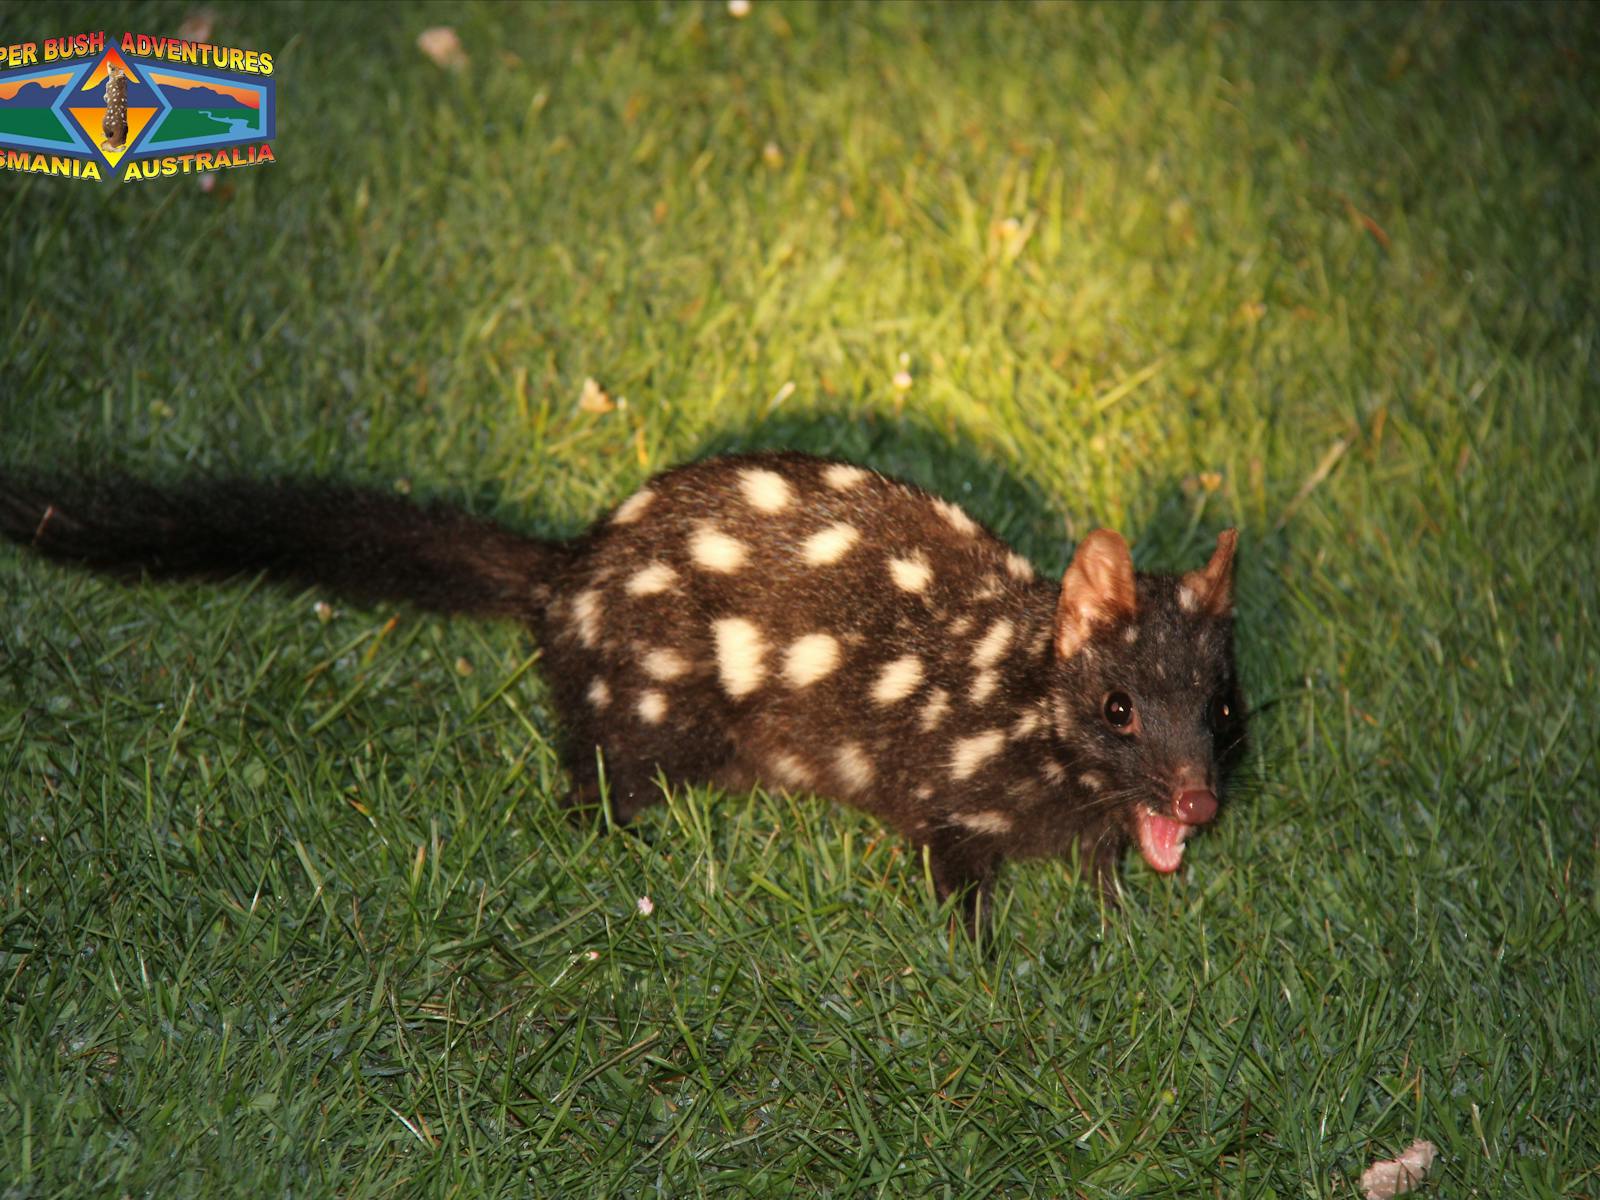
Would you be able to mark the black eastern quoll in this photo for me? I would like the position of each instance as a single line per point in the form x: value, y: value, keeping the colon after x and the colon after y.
x: 781, y: 620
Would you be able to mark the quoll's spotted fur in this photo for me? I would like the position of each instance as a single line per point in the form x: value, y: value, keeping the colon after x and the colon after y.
x: 778, y: 620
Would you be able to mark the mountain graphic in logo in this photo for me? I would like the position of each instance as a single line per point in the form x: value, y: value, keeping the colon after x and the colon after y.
x: 29, y: 113
x: 203, y: 112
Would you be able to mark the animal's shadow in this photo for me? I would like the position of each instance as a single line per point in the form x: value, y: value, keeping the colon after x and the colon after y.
x: 1176, y: 533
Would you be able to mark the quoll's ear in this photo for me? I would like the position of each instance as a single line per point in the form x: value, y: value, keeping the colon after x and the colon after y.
x: 1210, y: 589
x: 1097, y: 588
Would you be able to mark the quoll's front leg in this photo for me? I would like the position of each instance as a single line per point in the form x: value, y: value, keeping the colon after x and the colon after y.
x: 1099, y: 856
x: 1105, y: 866
x: 963, y: 864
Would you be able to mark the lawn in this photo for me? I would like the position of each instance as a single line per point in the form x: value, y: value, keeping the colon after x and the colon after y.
x: 287, y: 902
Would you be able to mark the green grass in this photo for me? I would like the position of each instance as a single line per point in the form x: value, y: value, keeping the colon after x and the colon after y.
x: 288, y: 906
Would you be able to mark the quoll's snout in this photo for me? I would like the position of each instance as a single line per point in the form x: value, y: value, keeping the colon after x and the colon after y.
x: 1161, y: 836
x: 1195, y: 806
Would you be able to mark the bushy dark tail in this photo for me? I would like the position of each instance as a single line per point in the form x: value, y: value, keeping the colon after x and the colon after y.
x: 360, y: 544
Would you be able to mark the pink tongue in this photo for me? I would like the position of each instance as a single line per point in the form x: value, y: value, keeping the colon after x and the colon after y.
x: 1161, y: 840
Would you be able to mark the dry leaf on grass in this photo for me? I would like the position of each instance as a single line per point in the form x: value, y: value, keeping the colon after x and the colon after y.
x: 441, y: 44
x: 1389, y: 1177
x: 593, y: 398
x: 1362, y: 219
x: 197, y: 26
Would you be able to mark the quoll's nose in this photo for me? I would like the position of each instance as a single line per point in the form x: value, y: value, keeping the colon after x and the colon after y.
x: 1195, y: 806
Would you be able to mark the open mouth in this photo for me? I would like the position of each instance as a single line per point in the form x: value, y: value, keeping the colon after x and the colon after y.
x: 1161, y: 839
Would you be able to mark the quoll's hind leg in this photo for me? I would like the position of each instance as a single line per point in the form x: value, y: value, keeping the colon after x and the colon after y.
x: 630, y: 786
x: 633, y: 764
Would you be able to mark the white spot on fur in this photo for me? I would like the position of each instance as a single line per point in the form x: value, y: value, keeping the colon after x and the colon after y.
x: 766, y: 490
x: 1019, y: 566
x: 925, y: 792
x: 790, y: 771
x: 586, y: 613
x: 854, y: 767
x: 1187, y: 599
x: 988, y: 821
x: 657, y: 577
x: 1091, y: 781
x: 716, y: 551
x: 739, y: 655
x: 934, y: 710
x: 983, y: 685
x: 631, y: 509
x: 990, y: 588
x: 810, y: 658
x: 829, y: 545
x: 911, y: 574
x: 652, y: 707
x: 1026, y: 726
x: 970, y: 753
x: 1052, y: 771
x: 599, y: 693
x: 1063, y: 718
x: 898, y: 679
x: 959, y: 521
x: 1130, y: 635
x: 993, y: 644
x: 664, y: 664
x: 960, y: 627
x: 842, y: 477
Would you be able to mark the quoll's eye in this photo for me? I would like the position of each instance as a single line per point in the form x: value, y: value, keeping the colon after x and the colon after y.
x: 1118, y: 710
x: 1221, y: 712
